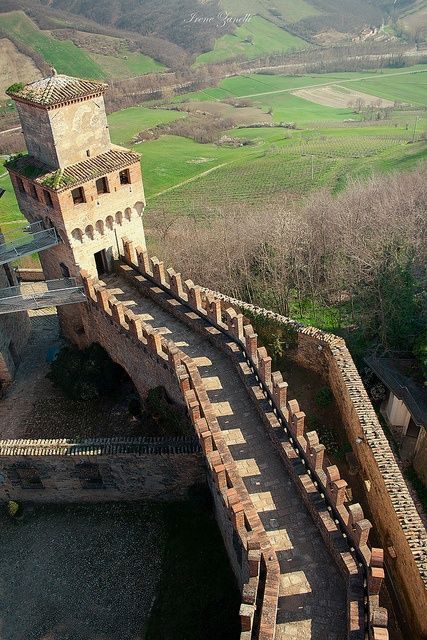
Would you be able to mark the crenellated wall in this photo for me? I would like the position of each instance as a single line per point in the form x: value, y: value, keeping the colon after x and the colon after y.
x: 397, y: 521
x: 319, y: 482
x: 100, y: 469
x: 144, y: 353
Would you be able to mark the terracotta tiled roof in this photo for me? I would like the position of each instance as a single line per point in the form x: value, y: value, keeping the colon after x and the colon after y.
x: 55, y: 90
x: 75, y: 174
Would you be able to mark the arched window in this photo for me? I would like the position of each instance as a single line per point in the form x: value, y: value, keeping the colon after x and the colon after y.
x: 89, y: 231
x: 139, y: 206
x: 119, y: 217
x: 109, y: 222
x: 100, y: 227
x: 77, y: 234
x: 128, y: 213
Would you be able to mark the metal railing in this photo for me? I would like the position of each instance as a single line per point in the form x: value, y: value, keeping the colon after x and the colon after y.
x: 41, y: 295
x: 35, y: 239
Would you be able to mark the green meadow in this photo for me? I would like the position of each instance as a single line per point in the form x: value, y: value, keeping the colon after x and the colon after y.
x: 125, y: 124
x: 67, y: 58
x: 254, y: 39
x: 127, y: 64
x: 181, y: 175
x: 64, y: 55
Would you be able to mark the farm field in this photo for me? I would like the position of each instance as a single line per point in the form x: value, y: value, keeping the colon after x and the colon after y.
x: 303, y: 162
x: 182, y: 176
x: 277, y: 93
x: 254, y: 39
x: 339, y: 96
x: 125, y: 124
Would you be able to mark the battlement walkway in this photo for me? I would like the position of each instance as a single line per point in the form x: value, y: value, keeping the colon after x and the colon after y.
x: 312, y: 602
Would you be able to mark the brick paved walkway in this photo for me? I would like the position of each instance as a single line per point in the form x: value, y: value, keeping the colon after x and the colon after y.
x: 312, y: 603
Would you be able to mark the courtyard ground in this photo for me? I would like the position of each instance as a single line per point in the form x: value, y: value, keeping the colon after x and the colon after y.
x: 140, y: 571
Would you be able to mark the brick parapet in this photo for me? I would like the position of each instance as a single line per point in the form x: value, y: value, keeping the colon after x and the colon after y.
x: 229, y: 487
x: 100, y: 470
x: 304, y: 451
x: 365, y: 427
x: 99, y: 446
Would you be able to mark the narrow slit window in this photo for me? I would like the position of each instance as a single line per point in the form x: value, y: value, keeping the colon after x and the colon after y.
x: 48, y: 199
x: 20, y: 185
x: 33, y: 192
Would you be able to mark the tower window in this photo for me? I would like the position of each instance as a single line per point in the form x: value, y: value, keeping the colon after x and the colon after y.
x: 88, y: 153
x: 48, y: 198
x: 78, y: 195
x: 102, y: 185
x: 33, y: 192
x: 124, y: 176
x: 20, y: 185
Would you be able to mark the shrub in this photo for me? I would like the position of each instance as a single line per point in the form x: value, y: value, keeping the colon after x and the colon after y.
x: 167, y: 417
x: 85, y: 375
x: 324, y: 397
x: 420, y: 352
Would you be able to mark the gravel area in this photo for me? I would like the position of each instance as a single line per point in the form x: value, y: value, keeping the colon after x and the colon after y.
x: 79, y: 572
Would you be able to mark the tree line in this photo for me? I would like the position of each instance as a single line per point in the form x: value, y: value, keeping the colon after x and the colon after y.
x: 362, y: 253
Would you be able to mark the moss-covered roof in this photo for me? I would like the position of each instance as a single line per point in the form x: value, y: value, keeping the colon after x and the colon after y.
x: 55, y: 90
x: 75, y: 174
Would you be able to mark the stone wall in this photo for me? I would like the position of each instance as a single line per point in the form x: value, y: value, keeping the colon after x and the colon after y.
x: 142, y: 351
x: 321, y: 487
x: 100, y: 470
x: 398, y: 523
x: 14, y: 331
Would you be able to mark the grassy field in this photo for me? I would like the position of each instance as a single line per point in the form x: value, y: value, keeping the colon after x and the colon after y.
x: 275, y: 92
x: 11, y: 218
x: 72, y: 60
x: 290, y: 10
x: 181, y: 175
x: 294, y: 164
x: 172, y: 160
x: 62, y: 54
x: 126, y: 64
x: 125, y: 124
x: 256, y: 38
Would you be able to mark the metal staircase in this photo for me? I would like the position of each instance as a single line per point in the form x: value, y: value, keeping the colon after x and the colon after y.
x: 41, y: 295
x: 34, y: 239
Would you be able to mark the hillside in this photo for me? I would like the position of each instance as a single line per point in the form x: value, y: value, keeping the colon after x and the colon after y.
x: 172, y: 20
x: 128, y: 38
x: 93, y: 56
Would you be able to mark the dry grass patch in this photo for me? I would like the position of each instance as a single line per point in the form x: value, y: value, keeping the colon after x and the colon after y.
x: 340, y: 97
x: 239, y: 115
x: 12, y: 60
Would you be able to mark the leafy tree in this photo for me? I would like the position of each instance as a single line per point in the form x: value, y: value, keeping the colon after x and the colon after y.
x: 387, y: 297
x: 85, y: 375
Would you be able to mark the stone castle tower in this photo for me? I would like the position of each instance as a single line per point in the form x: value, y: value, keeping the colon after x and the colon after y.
x: 74, y: 178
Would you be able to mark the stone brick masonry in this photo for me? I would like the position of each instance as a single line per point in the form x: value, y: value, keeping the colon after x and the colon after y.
x: 322, y: 489
x: 101, y: 469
